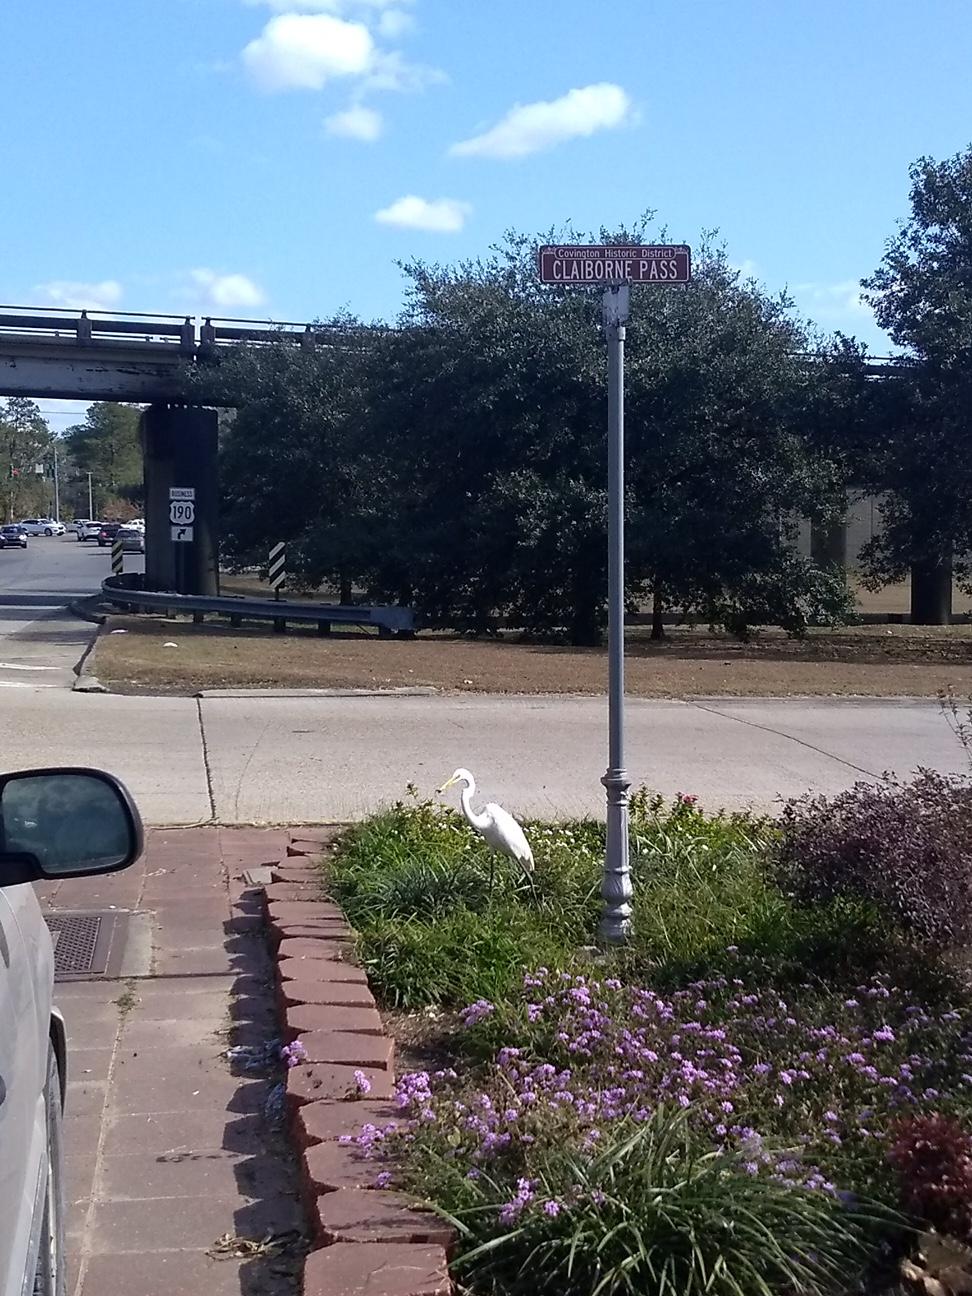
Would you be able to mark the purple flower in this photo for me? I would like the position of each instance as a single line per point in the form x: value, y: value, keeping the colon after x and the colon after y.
x: 362, y: 1083
x: 552, y: 1208
x: 293, y: 1054
x: 477, y: 1012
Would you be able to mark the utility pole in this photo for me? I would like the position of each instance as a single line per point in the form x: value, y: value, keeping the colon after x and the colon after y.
x: 91, y: 516
x: 57, y: 489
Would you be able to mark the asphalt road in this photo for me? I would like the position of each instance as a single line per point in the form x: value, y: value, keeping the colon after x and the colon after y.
x: 327, y: 759
x: 40, y: 642
x: 313, y: 760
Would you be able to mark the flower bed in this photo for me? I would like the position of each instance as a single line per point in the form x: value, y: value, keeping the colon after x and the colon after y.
x: 758, y: 1095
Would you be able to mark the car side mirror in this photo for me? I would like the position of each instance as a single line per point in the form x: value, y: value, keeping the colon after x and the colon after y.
x: 57, y: 823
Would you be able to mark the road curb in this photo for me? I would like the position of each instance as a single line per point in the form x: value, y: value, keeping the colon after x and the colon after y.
x: 83, y: 609
x: 363, y: 1239
x: 88, y: 684
x: 85, y: 681
x: 410, y: 691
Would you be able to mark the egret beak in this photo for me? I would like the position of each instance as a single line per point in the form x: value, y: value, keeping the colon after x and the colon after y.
x: 447, y: 784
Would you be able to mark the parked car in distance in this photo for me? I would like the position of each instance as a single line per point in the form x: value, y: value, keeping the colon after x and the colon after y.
x: 12, y: 536
x: 54, y: 824
x: 108, y: 532
x: 74, y: 527
x: 132, y: 539
x: 88, y: 530
x: 42, y: 526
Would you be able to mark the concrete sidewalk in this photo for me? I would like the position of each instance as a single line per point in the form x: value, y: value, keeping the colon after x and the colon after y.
x: 170, y: 1155
x: 333, y: 759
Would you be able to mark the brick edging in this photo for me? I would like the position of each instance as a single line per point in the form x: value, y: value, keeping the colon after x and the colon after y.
x: 367, y: 1242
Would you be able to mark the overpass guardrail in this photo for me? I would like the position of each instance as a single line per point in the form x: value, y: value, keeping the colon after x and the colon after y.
x: 125, y: 592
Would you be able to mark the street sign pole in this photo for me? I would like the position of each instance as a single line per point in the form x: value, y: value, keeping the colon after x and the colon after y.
x: 616, y: 882
x: 613, y: 267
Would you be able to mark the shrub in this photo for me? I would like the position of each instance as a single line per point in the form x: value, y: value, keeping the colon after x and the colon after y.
x: 933, y: 1158
x: 906, y: 848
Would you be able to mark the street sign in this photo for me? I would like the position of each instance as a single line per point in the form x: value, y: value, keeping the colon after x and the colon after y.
x: 182, y: 492
x: 182, y: 512
x: 277, y: 570
x: 602, y: 265
x: 182, y: 534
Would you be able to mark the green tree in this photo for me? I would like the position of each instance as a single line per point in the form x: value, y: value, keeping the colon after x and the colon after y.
x: 458, y: 462
x: 922, y: 294
x: 107, y: 445
x: 25, y: 440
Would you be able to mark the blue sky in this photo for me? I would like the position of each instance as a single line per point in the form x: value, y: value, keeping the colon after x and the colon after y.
x: 275, y: 158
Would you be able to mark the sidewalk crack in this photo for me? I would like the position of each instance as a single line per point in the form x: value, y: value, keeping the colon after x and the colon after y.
x: 779, y: 733
x: 206, y: 764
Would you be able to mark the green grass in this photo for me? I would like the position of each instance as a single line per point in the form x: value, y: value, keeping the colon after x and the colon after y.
x: 443, y: 920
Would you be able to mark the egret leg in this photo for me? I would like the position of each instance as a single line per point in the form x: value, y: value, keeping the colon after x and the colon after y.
x: 531, y: 878
x: 492, y: 874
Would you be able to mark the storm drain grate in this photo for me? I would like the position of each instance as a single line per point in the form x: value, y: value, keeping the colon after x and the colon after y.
x: 85, y: 942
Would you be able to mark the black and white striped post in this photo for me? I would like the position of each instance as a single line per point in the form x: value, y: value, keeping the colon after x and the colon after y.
x: 117, y: 558
x: 278, y: 567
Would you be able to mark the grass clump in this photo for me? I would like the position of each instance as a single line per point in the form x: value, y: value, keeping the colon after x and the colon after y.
x: 654, y: 1209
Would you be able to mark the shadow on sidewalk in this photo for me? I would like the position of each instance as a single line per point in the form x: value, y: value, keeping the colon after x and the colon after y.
x: 271, y: 1227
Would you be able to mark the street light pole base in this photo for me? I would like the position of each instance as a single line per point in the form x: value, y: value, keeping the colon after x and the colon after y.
x: 616, y: 892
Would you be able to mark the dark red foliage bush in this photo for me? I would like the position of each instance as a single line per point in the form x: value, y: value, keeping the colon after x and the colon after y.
x: 904, y: 847
x: 933, y: 1158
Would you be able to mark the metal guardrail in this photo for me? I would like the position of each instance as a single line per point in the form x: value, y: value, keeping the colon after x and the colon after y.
x: 185, y: 333
x: 125, y: 592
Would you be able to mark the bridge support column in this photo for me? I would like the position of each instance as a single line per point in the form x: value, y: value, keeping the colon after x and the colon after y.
x: 180, y: 449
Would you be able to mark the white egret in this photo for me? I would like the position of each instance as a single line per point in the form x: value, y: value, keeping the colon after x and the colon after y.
x: 495, y: 824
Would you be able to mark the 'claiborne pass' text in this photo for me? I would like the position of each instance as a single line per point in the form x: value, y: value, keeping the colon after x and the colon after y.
x: 615, y: 264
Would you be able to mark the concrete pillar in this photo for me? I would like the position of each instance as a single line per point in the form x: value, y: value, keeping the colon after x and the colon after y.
x: 828, y: 544
x: 931, y: 592
x: 180, y: 448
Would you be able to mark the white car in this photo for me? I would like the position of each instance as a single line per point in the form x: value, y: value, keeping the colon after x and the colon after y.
x: 88, y: 530
x: 53, y: 824
x: 42, y: 526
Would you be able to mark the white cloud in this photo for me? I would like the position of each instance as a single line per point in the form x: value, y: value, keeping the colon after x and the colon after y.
x: 531, y: 128
x: 439, y: 215
x: 225, y: 290
x: 390, y: 71
x: 746, y: 269
x: 394, y: 23
x: 331, y: 6
x: 304, y: 51
x: 356, y: 122
x: 832, y: 301
x: 73, y: 295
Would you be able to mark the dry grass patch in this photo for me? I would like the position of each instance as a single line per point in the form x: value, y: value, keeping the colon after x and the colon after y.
x: 876, y: 661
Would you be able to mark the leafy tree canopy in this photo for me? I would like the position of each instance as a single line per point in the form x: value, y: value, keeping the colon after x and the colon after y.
x: 459, y: 461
